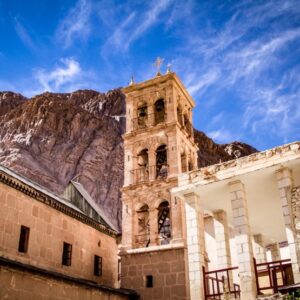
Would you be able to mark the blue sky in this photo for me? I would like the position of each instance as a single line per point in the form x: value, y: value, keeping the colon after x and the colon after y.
x: 240, y: 60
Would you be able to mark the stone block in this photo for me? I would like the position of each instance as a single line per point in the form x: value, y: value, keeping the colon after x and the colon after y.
x: 158, y: 293
x: 180, y: 278
x: 164, y: 267
x: 171, y: 279
x: 178, y: 291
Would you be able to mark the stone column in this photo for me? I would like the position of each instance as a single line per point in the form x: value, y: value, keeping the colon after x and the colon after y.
x: 153, y: 219
x: 150, y: 115
x: 243, y: 240
x: 195, y: 244
x: 176, y: 219
x: 222, y: 239
x: 259, y: 249
x: 127, y: 233
x: 152, y: 164
x: 284, y: 183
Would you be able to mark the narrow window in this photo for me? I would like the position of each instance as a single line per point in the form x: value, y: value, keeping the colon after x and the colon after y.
x: 149, y: 281
x: 97, y: 265
x: 24, y: 238
x: 67, y: 254
x: 119, y: 269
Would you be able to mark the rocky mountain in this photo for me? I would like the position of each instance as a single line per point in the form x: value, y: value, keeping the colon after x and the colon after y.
x: 53, y: 138
x: 10, y: 100
x: 212, y: 153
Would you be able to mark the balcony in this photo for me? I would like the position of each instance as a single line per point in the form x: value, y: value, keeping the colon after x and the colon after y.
x: 150, y: 120
x: 157, y: 172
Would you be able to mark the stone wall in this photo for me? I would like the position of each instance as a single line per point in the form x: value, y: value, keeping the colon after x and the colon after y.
x: 49, y: 229
x: 167, y: 267
x: 16, y: 284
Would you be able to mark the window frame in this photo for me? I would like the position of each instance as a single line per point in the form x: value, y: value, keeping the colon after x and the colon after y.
x: 98, y: 263
x: 24, y: 239
x: 149, y: 282
x: 67, y: 254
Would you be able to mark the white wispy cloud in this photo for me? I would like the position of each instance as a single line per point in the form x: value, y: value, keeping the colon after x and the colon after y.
x: 135, y: 25
x: 67, y: 72
x: 222, y: 135
x: 76, y: 24
x: 23, y: 34
x: 199, y: 85
x: 244, y: 58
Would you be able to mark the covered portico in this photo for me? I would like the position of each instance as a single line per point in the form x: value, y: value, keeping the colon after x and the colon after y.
x: 241, y: 224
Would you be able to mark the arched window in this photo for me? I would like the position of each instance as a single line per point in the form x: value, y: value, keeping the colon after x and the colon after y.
x: 164, y: 226
x: 190, y: 165
x: 161, y: 162
x: 187, y: 124
x: 142, y: 116
x: 179, y: 115
x: 183, y: 162
x: 142, y: 172
x: 159, y: 111
x: 142, y: 238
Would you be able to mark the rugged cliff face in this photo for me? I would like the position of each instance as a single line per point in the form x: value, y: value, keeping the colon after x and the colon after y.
x: 9, y: 101
x: 53, y: 138
x: 212, y: 153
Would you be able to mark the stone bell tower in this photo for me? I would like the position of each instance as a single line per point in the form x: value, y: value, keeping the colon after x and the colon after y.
x: 159, y: 145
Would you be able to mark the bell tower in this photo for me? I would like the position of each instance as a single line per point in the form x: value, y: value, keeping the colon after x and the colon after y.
x: 158, y: 146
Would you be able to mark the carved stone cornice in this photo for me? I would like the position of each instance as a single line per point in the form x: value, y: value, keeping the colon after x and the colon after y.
x: 52, y: 202
x: 211, y: 172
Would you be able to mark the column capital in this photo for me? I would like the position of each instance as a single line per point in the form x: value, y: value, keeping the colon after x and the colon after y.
x: 235, y: 185
x: 283, y: 172
x: 284, y: 177
x: 192, y: 198
x: 190, y: 195
x: 219, y: 213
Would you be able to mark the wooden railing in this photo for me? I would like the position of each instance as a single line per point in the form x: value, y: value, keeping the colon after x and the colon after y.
x: 218, y: 282
x: 148, y: 121
x: 150, y: 173
x: 276, y: 274
x: 140, y: 175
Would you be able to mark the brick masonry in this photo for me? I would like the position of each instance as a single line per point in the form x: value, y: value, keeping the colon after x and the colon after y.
x: 49, y: 228
x: 167, y: 267
x: 15, y: 284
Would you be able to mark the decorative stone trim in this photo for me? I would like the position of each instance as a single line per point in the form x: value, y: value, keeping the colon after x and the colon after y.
x: 209, y: 173
x: 42, y: 197
x: 152, y: 249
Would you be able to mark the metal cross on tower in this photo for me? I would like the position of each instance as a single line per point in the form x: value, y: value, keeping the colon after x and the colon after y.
x: 158, y: 62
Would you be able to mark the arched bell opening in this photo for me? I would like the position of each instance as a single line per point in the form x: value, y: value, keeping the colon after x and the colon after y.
x: 190, y: 165
x: 163, y: 222
x: 183, y: 162
x: 142, y: 172
x: 179, y: 115
x: 159, y: 111
x: 142, y: 115
x: 187, y: 124
x: 142, y: 238
x: 161, y: 162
